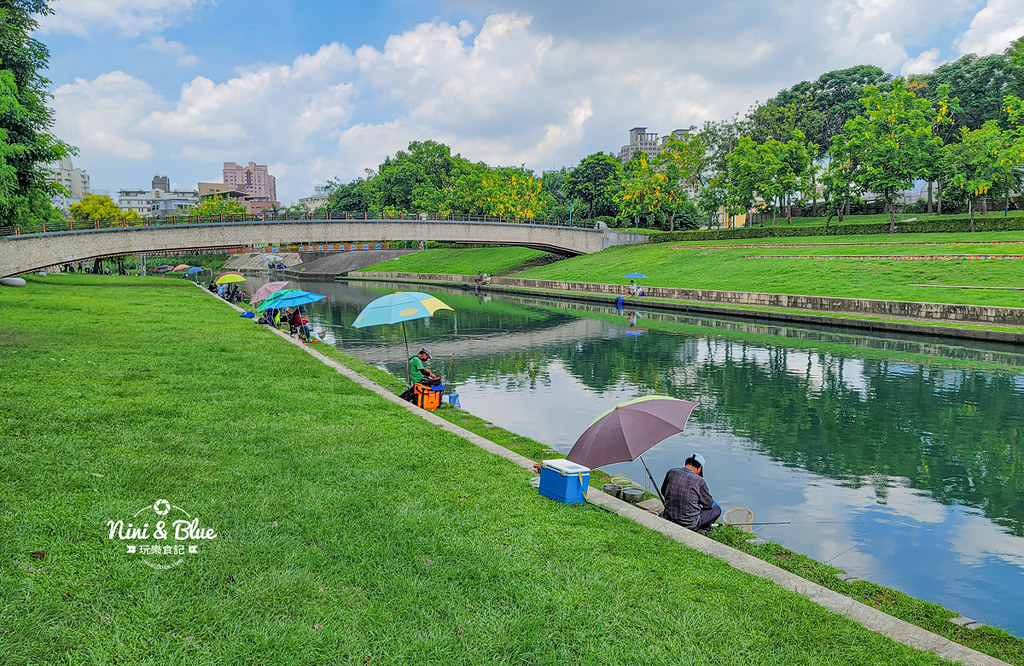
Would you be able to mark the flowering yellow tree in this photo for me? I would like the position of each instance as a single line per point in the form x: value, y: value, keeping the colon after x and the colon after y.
x: 643, y: 190
x: 511, y: 194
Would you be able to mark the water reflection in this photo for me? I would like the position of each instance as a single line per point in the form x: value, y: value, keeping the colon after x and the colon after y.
x: 898, y: 459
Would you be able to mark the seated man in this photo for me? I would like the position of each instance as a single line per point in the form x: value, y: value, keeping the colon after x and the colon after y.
x: 687, y: 499
x: 419, y: 373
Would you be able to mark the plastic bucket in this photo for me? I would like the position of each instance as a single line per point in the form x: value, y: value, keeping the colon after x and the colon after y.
x: 632, y: 495
x: 612, y: 489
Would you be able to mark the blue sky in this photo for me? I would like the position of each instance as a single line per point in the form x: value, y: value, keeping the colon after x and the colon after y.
x: 321, y: 90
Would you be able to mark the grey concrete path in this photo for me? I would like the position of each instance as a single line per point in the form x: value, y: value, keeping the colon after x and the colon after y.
x: 872, y: 618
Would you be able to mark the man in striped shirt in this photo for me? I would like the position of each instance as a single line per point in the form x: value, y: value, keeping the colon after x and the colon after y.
x: 688, y: 501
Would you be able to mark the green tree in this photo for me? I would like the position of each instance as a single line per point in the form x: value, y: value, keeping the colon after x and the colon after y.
x: 794, y: 173
x: 100, y: 207
x: 595, y: 180
x: 216, y: 205
x: 412, y: 179
x: 818, y: 108
x: 352, y: 197
x: 747, y: 178
x: 981, y: 159
x: 979, y: 83
x: 26, y: 144
x: 892, y: 143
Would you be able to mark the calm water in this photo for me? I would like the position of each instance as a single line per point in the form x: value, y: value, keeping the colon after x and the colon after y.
x: 899, y: 460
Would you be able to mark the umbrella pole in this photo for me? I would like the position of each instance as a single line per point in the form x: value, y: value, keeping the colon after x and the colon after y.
x: 652, y: 480
x: 408, y: 371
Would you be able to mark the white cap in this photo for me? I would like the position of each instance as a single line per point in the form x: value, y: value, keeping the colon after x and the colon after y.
x: 699, y: 458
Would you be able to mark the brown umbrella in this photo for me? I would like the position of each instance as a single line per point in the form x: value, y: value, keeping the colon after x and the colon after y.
x: 626, y: 431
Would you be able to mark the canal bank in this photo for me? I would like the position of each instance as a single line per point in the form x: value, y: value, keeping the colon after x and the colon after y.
x: 889, y: 451
x: 425, y: 549
x: 736, y: 557
x: 469, y: 331
x: 967, y: 322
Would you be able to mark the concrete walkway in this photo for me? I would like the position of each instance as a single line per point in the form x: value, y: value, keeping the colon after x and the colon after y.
x: 871, y: 618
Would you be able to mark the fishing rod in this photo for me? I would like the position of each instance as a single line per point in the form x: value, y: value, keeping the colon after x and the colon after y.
x: 794, y: 522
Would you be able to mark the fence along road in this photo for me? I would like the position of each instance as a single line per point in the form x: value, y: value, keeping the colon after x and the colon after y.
x: 24, y: 252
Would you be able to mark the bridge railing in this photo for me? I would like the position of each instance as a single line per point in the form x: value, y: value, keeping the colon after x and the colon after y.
x: 113, y: 223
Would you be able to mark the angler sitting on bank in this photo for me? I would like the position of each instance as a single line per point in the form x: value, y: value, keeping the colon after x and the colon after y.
x: 688, y: 501
x: 419, y: 373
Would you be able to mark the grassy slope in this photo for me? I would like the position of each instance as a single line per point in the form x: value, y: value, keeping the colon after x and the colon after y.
x: 726, y: 269
x: 347, y: 528
x: 489, y: 260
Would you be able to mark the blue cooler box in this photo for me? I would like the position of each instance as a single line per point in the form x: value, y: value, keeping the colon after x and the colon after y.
x: 564, y: 481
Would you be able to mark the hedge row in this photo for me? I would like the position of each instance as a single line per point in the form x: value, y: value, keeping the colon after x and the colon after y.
x: 950, y: 225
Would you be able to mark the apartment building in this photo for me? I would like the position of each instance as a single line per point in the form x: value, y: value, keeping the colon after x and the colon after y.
x: 157, y: 201
x: 649, y: 142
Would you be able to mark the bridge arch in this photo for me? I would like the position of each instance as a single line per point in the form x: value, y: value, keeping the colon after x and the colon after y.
x: 28, y: 252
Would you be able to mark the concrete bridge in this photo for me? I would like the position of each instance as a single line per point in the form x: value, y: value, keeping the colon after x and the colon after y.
x: 28, y: 252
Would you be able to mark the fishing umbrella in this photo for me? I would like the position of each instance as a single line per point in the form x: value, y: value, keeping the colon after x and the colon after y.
x: 163, y: 268
x: 179, y: 267
x: 626, y: 431
x: 400, y: 307
x: 291, y: 299
x: 228, y: 278
x: 266, y: 290
x: 271, y: 300
x: 194, y: 270
x: 635, y: 275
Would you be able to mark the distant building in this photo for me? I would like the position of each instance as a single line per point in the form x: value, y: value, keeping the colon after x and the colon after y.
x: 161, y: 200
x: 76, y: 181
x: 255, y: 181
x: 321, y: 193
x: 642, y: 140
x: 223, y: 190
x: 206, y: 189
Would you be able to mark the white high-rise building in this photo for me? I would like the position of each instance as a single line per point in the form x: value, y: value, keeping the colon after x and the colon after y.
x: 75, y: 180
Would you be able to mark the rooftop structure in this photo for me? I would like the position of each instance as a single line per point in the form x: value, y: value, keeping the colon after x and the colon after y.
x: 642, y: 140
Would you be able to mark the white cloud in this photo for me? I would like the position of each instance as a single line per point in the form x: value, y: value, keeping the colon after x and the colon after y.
x: 508, y: 92
x: 99, y: 116
x: 924, y: 63
x: 182, y: 57
x: 993, y: 28
x: 130, y: 17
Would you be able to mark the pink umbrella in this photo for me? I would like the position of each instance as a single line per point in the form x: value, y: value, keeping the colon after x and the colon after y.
x: 180, y: 267
x: 626, y: 431
x: 266, y: 290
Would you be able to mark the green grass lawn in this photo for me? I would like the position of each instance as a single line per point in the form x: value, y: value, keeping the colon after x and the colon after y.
x: 348, y: 530
x: 705, y: 265
x: 467, y: 261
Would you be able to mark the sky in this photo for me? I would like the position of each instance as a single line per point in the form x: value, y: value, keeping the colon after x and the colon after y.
x: 323, y: 89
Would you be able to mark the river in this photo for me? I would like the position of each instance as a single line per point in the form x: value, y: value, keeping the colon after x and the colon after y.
x: 896, y: 459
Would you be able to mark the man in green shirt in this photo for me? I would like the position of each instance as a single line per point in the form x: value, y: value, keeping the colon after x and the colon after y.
x: 418, y: 371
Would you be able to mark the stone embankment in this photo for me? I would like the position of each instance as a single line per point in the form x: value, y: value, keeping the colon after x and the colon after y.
x: 924, y: 316
x: 315, y: 264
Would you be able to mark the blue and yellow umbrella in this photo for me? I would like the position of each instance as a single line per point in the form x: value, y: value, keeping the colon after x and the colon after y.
x: 398, y: 308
